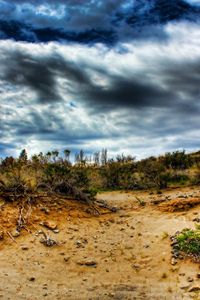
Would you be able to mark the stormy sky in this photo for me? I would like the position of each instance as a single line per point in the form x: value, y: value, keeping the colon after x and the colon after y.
x: 92, y: 74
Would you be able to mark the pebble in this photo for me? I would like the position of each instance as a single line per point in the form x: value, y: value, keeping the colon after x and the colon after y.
x: 32, y: 279
x: 15, y: 233
x: 190, y: 279
x: 136, y: 266
x: 194, y: 289
x: 49, y: 224
x: 67, y: 258
x: 184, y: 287
x: 45, y: 210
x: 88, y: 263
x: 173, y: 261
x: 1, y: 235
x: 24, y: 247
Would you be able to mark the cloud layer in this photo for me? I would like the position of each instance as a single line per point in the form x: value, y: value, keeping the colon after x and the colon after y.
x: 88, y: 21
x: 139, y: 97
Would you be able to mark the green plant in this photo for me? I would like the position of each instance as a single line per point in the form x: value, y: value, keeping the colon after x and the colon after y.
x: 188, y: 241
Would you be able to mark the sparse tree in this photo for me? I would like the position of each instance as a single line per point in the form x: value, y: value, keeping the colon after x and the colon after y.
x: 55, y: 154
x: 104, y: 157
x: 23, y: 157
x: 96, y: 157
x: 67, y: 154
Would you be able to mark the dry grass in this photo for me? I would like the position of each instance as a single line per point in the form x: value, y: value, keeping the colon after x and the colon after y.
x: 179, y: 204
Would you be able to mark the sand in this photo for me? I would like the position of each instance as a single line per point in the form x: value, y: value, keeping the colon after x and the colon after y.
x: 123, y: 255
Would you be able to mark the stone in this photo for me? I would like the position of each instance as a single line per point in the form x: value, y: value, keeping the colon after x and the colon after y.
x: 194, y: 289
x: 173, y: 261
x: 49, y: 224
x: 124, y: 215
x: 45, y: 210
x: 196, y: 220
x: 81, y: 243
x: 32, y: 279
x: 74, y: 228
x: 88, y: 263
x: 24, y: 247
x: 1, y: 235
x: 15, y: 233
x: 66, y: 258
x: 184, y: 287
x: 136, y: 266
x: 190, y: 279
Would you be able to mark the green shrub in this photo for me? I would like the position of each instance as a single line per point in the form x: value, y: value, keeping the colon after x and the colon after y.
x: 189, y: 241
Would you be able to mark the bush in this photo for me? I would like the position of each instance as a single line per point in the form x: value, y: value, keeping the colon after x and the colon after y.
x: 188, y: 241
x: 177, y: 160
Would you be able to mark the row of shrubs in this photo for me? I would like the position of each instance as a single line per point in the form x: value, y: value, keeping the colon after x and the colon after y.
x: 177, y: 168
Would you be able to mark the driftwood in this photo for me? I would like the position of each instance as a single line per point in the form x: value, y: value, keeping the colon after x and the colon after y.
x: 19, y: 191
x: 24, y: 214
x: 103, y: 204
x: 47, y: 240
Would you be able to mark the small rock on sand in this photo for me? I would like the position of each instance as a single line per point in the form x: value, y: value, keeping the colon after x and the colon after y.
x: 49, y: 224
x: 194, y: 289
x: 89, y: 263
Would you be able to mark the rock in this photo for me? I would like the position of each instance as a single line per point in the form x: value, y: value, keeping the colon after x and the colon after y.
x: 49, y: 224
x: 173, y: 261
x: 198, y: 275
x: 124, y: 215
x: 190, y: 279
x: 32, y: 279
x: 56, y: 230
x: 81, y: 243
x: 111, y: 295
x: 196, y: 220
x: 194, y: 289
x: 24, y: 247
x: 111, y: 221
x: 88, y: 263
x: 136, y: 266
x: 74, y: 228
x: 184, y: 287
x: 45, y: 210
x: 66, y: 258
x: 15, y: 233
x: 1, y: 235
x: 128, y: 247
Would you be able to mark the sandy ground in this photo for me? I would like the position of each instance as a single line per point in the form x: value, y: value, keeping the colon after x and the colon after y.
x: 123, y: 255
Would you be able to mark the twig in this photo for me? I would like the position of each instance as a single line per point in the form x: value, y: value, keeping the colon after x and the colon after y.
x: 10, y: 235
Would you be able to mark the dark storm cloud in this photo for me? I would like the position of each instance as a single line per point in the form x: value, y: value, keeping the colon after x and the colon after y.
x: 91, y: 21
x: 39, y: 73
x: 128, y: 92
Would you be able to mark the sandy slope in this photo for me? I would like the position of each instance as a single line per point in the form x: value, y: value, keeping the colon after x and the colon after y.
x: 130, y: 249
